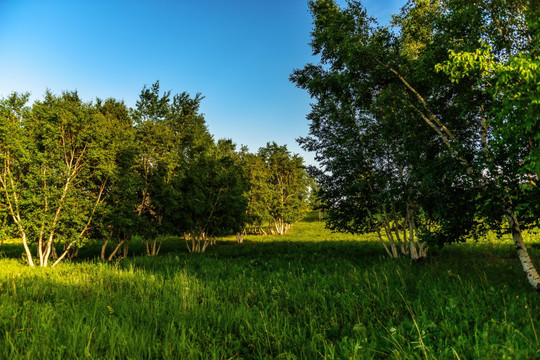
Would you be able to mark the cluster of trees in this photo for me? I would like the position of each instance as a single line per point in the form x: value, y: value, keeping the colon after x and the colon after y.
x: 427, y: 130
x: 73, y: 172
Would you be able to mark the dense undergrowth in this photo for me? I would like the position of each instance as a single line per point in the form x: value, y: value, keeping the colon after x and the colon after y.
x: 308, y: 294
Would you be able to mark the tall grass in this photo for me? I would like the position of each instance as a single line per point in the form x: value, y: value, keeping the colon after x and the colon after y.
x: 308, y: 294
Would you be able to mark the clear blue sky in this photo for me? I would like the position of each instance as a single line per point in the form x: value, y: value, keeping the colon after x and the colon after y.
x: 237, y: 53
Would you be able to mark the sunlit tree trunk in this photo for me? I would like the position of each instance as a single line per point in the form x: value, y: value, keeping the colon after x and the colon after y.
x: 27, y: 250
x: 523, y: 254
x: 240, y: 237
x: 389, y: 234
x: 378, y: 230
x: 402, y: 246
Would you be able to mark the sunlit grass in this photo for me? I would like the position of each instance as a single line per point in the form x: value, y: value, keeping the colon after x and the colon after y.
x: 308, y: 294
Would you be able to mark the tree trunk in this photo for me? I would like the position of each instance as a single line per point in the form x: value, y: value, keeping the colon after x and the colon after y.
x: 412, y: 246
x: 147, y: 246
x: 383, y: 243
x: 421, y: 252
x: 186, y: 239
x: 152, y: 246
x: 27, y: 249
x: 125, y: 248
x: 389, y: 234
x: 73, y: 253
x: 380, y: 236
x: 205, y: 242
x: 279, y: 226
x: 103, y: 249
x: 239, y: 237
x: 396, y: 230
x: 113, y: 254
x: 199, y: 242
x: 523, y: 254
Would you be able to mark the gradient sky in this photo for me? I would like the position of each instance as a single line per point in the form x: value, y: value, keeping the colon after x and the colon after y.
x: 237, y: 53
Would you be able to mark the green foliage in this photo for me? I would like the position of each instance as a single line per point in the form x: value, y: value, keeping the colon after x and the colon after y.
x: 190, y: 184
x: 392, y: 131
x: 286, y: 185
x: 58, y: 159
x: 254, y: 171
x: 214, y: 193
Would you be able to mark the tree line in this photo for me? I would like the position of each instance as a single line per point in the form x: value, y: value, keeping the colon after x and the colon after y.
x: 427, y: 130
x: 74, y: 172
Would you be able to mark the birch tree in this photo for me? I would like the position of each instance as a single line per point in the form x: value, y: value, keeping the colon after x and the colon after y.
x: 171, y: 135
x: 285, y: 192
x: 504, y: 65
x: 459, y: 167
x: 214, y: 193
x: 54, y: 172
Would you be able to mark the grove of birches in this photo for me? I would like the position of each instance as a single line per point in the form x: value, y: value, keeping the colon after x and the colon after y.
x: 74, y: 172
x: 426, y: 132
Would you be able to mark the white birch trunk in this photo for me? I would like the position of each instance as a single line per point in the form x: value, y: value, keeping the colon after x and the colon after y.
x: 389, y: 235
x: 239, y: 237
x: 412, y: 246
x: 27, y: 250
x: 396, y: 230
x: 523, y: 254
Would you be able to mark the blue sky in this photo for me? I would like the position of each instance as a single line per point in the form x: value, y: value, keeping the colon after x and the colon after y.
x: 237, y: 53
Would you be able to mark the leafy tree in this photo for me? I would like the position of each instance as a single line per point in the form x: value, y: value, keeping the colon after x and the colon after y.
x: 504, y: 66
x: 171, y: 134
x: 368, y: 168
x: 254, y: 170
x: 214, y: 201
x: 286, y: 189
x: 449, y: 154
x: 55, y: 169
x: 118, y: 221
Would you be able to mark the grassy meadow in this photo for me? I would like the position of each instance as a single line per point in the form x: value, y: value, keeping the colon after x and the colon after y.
x: 306, y: 295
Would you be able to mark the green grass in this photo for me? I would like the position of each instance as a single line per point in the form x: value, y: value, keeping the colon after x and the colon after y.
x: 308, y: 294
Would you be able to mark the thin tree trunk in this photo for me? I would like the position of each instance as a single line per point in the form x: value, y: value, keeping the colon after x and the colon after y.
x: 154, y: 243
x: 383, y: 243
x: 287, y: 227
x: 153, y: 247
x: 379, y: 234
x: 146, y: 246
x: 160, y: 243
x: 239, y: 237
x: 14, y: 209
x: 116, y: 249
x: 74, y: 254
x: 27, y: 250
x: 125, y: 248
x: 523, y: 254
x: 396, y: 230
x: 103, y: 249
x: 186, y: 239
x: 61, y: 257
x: 412, y: 246
x: 40, y: 244
x: 389, y: 234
